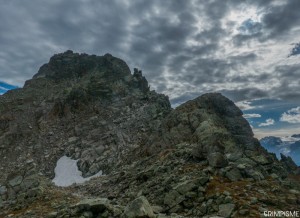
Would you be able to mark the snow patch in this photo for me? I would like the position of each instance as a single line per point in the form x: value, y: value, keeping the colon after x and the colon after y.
x: 67, y: 173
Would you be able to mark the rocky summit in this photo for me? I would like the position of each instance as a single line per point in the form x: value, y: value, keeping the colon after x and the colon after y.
x: 197, y: 160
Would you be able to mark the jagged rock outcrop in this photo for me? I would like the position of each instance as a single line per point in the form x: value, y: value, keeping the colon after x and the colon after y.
x: 88, y: 107
x: 83, y: 105
x: 214, y: 127
x: 197, y: 160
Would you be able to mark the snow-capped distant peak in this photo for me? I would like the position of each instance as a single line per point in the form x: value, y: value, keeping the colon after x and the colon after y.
x: 287, y: 145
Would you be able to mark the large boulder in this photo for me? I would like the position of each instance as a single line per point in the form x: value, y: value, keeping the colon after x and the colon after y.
x: 225, y: 210
x: 217, y: 159
x: 138, y: 208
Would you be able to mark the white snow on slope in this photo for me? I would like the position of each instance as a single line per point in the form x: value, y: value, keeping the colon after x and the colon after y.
x: 67, y: 173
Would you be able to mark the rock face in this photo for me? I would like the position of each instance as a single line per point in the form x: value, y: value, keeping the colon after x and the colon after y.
x: 81, y: 105
x: 197, y: 160
x: 218, y: 133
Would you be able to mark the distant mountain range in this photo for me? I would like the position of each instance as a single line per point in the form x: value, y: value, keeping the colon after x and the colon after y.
x: 288, y: 145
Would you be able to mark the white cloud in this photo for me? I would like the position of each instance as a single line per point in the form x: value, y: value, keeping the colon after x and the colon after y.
x: 291, y: 116
x: 268, y: 122
x: 251, y: 115
x: 262, y: 132
x: 244, y: 105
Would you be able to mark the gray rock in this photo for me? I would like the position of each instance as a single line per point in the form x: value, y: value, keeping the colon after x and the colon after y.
x: 185, y: 187
x: 11, y: 194
x: 217, y: 160
x: 234, y: 156
x: 244, y: 212
x: 99, y: 150
x: 241, y: 166
x: 16, y: 181
x: 157, y: 209
x: 173, y: 198
x: 88, y: 214
x: 274, y: 176
x: 97, y: 205
x: 203, y: 209
x: 246, y: 162
x: 30, y: 182
x: 213, y: 217
x: 138, y: 208
x: 261, y: 159
x: 253, y: 200
x: 228, y: 199
x: 293, y: 191
x: 3, y: 190
x: 94, y: 169
x: 256, y: 175
x: 52, y: 215
x: 73, y: 139
x: 226, y: 210
x: 233, y: 175
x: 176, y: 209
x: 203, y: 180
x: 33, y: 192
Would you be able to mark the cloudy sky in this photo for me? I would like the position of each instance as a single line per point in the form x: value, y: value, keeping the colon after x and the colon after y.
x: 247, y: 50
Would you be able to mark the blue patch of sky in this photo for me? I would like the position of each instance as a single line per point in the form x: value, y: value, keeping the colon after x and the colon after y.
x: 4, y: 87
x: 270, y: 109
x: 295, y: 50
x: 250, y: 27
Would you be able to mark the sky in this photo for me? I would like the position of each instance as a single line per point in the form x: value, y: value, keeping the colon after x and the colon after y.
x: 248, y: 50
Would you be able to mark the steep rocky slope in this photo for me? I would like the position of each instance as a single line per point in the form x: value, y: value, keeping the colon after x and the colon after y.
x: 197, y: 160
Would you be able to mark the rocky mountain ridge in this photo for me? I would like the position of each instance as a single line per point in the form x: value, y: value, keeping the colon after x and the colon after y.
x: 198, y: 160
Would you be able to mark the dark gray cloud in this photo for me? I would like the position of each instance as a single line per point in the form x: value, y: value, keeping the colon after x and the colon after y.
x: 245, y: 94
x: 289, y: 82
x: 282, y: 18
x: 241, y: 39
x: 277, y: 22
x: 183, y: 47
x: 197, y: 70
x: 183, y: 98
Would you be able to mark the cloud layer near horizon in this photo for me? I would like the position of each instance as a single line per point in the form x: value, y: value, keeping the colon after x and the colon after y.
x: 244, y: 49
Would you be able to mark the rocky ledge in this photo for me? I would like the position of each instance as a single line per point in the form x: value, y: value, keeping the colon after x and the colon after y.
x: 198, y: 160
